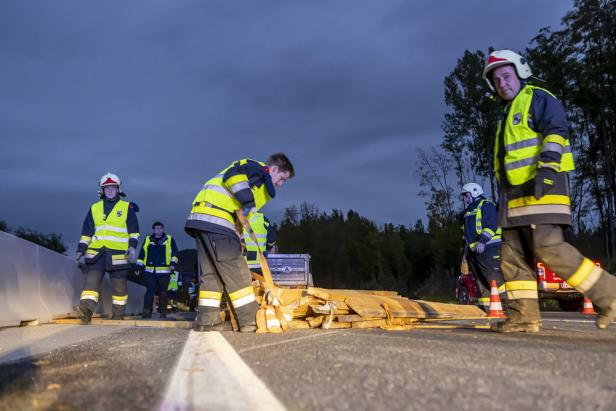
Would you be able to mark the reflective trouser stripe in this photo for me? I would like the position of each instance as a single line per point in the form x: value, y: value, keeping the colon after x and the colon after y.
x: 585, y: 276
x: 119, y: 299
x: 119, y: 259
x: 502, y: 289
x: 89, y: 295
x: 159, y: 270
x: 521, y: 290
x: 209, y: 298
x: 242, y: 297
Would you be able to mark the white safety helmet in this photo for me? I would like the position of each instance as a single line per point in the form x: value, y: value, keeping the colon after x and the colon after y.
x: 500, y: 58
x: 473, y: 188
x: 110, y: 179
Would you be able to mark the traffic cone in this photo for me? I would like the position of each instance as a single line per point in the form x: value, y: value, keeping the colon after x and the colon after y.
x: 588, y: 308
x: 496, y: 308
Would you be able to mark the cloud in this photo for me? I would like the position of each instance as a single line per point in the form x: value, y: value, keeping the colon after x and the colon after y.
x: 166, y: 94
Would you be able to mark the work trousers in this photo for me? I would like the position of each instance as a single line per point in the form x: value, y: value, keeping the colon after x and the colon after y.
x: 92, y: 282
x: 485, y: 268
x: 223, y: 269
x: 521, y: 246
x: 156, y: 284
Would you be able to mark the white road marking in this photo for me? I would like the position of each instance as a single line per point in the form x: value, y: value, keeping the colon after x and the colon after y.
x: 562, y: 320
x: 210, y: 375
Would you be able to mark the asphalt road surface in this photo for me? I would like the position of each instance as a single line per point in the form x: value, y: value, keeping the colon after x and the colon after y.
x: 569, y: 366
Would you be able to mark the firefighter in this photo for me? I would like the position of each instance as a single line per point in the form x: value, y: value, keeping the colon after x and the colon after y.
x: 532, y: 159
x: 482, y: 237
x: 266, y: 237
x: 158, y: 258
x: 245, y: 185
x: 108, y: 240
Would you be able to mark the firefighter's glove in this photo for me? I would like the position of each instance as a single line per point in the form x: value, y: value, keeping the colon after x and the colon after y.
x: 544, y: 181
x: 481, y: 247
x: 132, y: 255
x: 78, y: 256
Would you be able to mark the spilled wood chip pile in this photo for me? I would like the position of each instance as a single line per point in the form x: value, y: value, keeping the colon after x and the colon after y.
x: 330, y: 309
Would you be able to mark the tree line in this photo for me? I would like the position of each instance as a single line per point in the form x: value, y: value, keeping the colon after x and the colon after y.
x: 51, y: 241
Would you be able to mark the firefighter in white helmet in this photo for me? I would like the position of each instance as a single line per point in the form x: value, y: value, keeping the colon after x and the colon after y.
x: 482, y: 239
x: 532, y: 159
x: 108, y: 241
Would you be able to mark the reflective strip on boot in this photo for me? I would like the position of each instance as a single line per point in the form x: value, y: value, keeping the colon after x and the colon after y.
x: 242, y: 296
x: 119, y: 299
x: 89, y: 295
x: 585, y: 276
x: 210, y: 298
x: 521, y: 290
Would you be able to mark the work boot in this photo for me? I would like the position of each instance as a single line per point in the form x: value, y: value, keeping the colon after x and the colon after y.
x: 163, y: 314
x: 117, y: 316
x: 509, y: 326
x: 603, y: 296
x: 84, y: 314
x: 248, y: 328
x: 247, y: 317
x: 146, y: 314
x: 524, y: 317
x: 606, y: 316
x: 208, y: 319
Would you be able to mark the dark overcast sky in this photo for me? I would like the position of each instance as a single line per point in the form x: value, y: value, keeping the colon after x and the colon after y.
x: 167, y: 93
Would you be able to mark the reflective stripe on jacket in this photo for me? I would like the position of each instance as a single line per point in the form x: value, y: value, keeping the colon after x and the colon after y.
x: 244, y: 184
x: 532, y: 134
x: 157, y: 256
x: 259, y: 225
x: 480, y: 224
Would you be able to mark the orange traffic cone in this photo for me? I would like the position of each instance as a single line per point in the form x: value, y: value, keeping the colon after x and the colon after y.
x: 496, y: 308
x: 588, y: 308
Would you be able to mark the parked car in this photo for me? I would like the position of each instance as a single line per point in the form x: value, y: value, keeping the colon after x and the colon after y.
x: 550, y: 286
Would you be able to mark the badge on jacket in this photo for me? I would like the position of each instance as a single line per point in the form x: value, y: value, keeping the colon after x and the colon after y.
x: 517, y: 117
x: 119, y: 213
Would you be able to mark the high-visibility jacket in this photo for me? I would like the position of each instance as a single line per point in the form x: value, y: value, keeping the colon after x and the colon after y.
x: 531, y: 134
x: 111, y: 233
x: 480, y: 223
x: 158, y: 254
x: 266, y: 239
x: 244, y: 184
x: 173, y: 281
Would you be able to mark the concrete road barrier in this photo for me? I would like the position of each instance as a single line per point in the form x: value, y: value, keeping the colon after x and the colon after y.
x: 37, y: 284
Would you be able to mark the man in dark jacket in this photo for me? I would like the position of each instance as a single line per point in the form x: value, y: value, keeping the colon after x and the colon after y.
x: 157, y: 259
